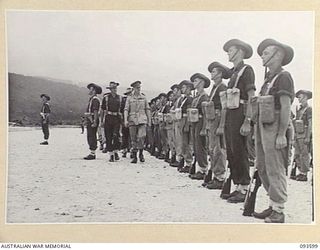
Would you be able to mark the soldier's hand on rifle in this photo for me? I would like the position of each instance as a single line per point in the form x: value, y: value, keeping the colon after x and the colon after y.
x: 220, y: 131
x: 94, y: 125
x: 245, y: 128
x: 281, y: 141
x: 307, y: 140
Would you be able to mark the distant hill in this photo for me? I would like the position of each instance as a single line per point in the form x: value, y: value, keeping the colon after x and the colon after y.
x: 68, y: 101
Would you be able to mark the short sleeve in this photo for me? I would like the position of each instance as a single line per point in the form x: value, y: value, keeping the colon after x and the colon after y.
x: 47, y: 108
x: 95, y: 105
x: 309, y: 113
x: 285, y: 85
x: 147, y: 107
x: 248, y: 79
x: 104, y: 103
x: 126, y: 106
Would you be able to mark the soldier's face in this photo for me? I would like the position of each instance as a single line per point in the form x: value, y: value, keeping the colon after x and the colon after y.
x: 92, y: 91
x: 215, y: 74
x: 170, y: 97
x: 270, y: 56
x: 232, y: 51
x: 44, y: 99
x: 302, y: 98
x: 183, y: 89
x: 114, y: 90
x: 198, y: 83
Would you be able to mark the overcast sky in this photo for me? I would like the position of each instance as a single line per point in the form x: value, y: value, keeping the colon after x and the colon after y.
x: 158, y: 48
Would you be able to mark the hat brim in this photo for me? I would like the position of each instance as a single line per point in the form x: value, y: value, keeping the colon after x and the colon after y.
x: 203, y: 77
x: 289, y: 53
x: 248, y: 52
x: 46, y: 96
x: 96, y: 87
x: 135, y: 83
x: 223, y: 69
x: 304, y: 92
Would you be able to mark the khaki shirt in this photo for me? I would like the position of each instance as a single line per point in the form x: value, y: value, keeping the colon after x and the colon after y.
x: 137, y: 108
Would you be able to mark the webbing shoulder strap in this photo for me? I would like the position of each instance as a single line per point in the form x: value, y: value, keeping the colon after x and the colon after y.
x: 239, y: 75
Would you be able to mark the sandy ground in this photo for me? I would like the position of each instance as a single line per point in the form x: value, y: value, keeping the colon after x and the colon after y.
x: 53, y: 184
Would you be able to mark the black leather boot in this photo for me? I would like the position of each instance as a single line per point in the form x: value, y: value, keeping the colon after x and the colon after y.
x: 141, y: 158
x: 134, y: 157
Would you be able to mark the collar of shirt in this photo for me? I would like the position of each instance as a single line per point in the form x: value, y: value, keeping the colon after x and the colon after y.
x: 238, y: 67
x: 270, y: 76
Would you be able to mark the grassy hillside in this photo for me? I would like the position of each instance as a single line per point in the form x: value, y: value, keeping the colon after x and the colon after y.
x: 68, y: 102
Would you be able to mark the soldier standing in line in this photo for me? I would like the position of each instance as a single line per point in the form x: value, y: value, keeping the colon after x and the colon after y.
x: 162, y: 130
x: 45, y: 112
x: 303, y: 135
x: 92, y: 116
x: 169, y: 125
x: 137, y: 117
x: 215, y: 126
x: 111, y: 119
x: 240, y: 88
x: 185, y: 161
x: 276, y: 97
x: 200, y: 82
x: 157, y: 139
x: 175, y: 132
x: 125, y: 146
x: 153, y: 110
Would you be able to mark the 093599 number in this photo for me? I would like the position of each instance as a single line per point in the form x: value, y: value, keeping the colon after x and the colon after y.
x: 309, y: 246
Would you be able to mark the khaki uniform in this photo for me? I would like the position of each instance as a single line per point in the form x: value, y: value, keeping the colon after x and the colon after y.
x: 137, y: 108
x: 200, y: 149
x: 271, y: 162
x: 217, y: 150
x: 301, y: 150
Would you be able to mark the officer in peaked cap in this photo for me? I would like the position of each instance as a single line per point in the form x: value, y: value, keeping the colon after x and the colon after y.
x: 241, y: 88
x: 137, y: 117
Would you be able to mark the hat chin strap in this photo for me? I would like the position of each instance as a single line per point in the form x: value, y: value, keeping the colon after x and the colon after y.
x: 234, y: 55
x: 273, y: 54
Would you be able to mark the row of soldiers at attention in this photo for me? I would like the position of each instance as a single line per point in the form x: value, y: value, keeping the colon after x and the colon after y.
x: 232, y: 127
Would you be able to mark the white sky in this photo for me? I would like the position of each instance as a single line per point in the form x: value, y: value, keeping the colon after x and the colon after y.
x: 158, y: 48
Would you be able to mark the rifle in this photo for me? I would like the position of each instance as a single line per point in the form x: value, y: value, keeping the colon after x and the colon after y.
x: 250, y: 200
x: 226, y: 185
x: 293, y: 170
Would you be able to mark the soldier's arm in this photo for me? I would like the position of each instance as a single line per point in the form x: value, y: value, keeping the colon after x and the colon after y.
x: 309, y: 128
x: 126, y: 111
x: 285, y: 102
x: 147, y: 108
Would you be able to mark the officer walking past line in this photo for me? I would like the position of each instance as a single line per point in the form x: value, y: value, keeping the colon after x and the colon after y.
x: 195, y: 116
x: 240, y: 88
x: 185, y: 161
x: 303, y: 136
x: 45, y: 113
x: 92, y: 119
x: 276, y: 97
x: 137, y: 117
x: 125, y: 146
x: 111, y: 119
x: 215, y: 119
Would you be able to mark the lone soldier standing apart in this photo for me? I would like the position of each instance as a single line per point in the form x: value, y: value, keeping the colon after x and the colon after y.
x: 303, y: 136
x: 45, y: 112
x: 240, y: 88
x: 92, y: 119
x: 111, y: 119
x: 200, y: 82
x: 217, y: 150
x: 276, y: 95
x: 137, y: 117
